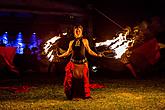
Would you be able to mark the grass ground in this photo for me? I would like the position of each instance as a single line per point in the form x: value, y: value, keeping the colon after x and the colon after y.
x: 118, y: 94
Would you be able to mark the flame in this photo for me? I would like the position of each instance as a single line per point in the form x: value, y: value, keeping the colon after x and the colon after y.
x: 48, y: 45
x: 120, y: 44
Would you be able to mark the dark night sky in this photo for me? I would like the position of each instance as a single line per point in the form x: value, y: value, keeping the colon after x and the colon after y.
x: 126, y: 12
x: 146, y: 7
x: 123, y: 12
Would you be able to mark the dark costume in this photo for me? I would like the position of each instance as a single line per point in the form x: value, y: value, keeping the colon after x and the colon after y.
x: 76, y: 82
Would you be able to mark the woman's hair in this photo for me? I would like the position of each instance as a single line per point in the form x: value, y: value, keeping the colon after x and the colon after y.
x: 78, y: 26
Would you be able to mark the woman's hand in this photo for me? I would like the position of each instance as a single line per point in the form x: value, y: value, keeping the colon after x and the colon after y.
x: 58, y: 55
x: 100, y: 55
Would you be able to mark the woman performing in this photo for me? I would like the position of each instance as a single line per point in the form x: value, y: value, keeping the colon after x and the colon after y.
x: 76, y: 82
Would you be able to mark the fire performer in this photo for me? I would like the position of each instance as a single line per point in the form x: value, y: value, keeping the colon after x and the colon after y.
x: 76, y: 82
x: 125, y: 58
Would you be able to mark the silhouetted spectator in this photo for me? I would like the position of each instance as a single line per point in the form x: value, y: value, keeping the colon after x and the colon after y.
x: 1, y: 43
x: 26, y: 50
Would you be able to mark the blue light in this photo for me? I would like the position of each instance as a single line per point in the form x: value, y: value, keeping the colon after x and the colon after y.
x: 33, y: 41
x: 5, y: 38
x: 19, y: 43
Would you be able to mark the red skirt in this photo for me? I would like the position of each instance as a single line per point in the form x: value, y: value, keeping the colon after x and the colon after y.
x: 76, y: 82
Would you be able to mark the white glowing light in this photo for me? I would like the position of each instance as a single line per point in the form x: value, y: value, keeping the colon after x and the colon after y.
x: 94, y: 68
x: 120, y: 44
x: 48, y: 45
x: 65, y: 33
x: 50, y: 53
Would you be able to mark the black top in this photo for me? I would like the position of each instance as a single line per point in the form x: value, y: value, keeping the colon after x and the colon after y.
x: 78, y: 55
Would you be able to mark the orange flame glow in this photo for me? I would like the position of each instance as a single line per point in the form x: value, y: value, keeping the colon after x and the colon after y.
x: 120, y: 44
x: 48, y: 45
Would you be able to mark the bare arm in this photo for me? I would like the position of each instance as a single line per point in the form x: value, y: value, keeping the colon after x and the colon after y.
x: 67, y: 53
x: 61, y: 50
x: 86, y: 44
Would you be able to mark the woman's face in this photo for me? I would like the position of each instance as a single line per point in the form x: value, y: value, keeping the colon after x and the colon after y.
x: 77, y: 32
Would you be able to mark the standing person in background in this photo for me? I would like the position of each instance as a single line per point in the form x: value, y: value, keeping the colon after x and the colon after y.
x: 76, y: 82
x: 27, y: 59
x: 26, y: 50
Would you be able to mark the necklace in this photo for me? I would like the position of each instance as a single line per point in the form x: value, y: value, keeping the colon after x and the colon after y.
x: 77, y: 42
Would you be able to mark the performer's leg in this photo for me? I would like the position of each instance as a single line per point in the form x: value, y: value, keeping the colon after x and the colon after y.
x: 130, y: 67
x: 86, y: 82
x: 68, y: 82
x: 49, y: 67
